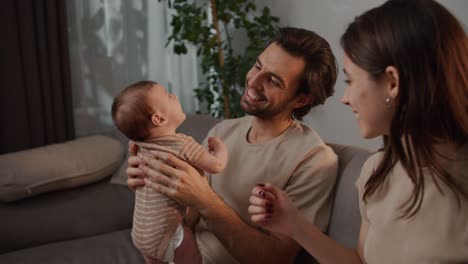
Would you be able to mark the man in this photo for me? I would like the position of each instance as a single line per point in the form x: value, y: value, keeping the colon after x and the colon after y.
x: 294, y: 73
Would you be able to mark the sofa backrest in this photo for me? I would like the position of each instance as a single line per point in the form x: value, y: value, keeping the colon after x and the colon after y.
x: 197, y: 126
x: 345, y: 219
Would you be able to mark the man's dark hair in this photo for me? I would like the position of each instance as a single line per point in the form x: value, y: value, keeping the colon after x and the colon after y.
x: 320, y: 71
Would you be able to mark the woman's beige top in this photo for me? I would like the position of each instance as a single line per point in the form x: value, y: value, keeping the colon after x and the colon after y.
x: 438, y: 233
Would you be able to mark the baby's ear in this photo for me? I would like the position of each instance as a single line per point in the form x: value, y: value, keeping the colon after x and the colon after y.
x: 158, y: 120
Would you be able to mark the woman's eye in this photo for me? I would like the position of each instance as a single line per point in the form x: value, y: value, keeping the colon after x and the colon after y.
x: 347, y: 82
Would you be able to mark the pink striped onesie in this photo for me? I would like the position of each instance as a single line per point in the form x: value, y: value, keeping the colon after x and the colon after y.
x: 156, y: 216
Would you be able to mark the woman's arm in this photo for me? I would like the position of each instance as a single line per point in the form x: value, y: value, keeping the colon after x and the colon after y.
x: 271, y: 208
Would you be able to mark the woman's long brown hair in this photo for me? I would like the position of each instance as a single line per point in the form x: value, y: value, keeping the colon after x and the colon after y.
x: 429, y: 48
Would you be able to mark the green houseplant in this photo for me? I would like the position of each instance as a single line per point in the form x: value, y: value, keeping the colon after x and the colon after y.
x: 210, y: 25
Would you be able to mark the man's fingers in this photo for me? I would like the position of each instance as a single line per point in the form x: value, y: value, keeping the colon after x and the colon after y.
x: 169, y: 159
x: 160, y: 188
x: 132, y: 148
x: 133, y: 183
x: 134, y: 161
x: 157, y: 176
x: 160, y: 166
x: 135, y: 172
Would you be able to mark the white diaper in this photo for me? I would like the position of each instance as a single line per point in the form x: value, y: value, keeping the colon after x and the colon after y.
x: 175, y: 242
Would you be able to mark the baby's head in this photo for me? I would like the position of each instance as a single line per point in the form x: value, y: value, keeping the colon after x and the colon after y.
x: 145, y: 110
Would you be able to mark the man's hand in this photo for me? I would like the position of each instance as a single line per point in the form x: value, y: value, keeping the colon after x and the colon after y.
x: 135, y: 175
x: 175, y: 178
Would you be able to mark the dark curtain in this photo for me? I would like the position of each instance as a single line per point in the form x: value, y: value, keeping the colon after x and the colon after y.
x: 36, y: 104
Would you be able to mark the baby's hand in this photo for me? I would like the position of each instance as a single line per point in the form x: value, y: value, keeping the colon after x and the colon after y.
x: 218, y: 149
x: 216, y: 145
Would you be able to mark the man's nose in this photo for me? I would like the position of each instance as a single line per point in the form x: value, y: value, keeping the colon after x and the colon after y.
x: 256, y: 81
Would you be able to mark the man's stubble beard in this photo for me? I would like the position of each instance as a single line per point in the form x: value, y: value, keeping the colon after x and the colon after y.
x: 265, y: 113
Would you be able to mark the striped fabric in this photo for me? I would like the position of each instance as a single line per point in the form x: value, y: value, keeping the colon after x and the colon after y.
x: 156, y: 216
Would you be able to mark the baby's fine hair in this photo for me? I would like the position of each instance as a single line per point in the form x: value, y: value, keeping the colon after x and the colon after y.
x: 131, y: 112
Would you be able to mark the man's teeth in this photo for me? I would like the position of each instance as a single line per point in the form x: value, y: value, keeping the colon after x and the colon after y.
x: 251, y: 94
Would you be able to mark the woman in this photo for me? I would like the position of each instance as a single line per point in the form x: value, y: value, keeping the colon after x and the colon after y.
x: 406, y: 64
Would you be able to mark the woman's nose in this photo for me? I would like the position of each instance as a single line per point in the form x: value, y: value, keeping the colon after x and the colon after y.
x: 344, y: 98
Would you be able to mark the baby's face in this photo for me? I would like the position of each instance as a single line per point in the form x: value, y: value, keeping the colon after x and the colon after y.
x: 168, y: 104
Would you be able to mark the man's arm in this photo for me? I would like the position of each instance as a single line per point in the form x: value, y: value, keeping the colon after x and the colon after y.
x: 311, y: 186
x: 244, y: 242
x: 178, y: 180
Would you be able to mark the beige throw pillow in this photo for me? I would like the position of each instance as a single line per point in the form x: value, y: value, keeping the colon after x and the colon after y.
x: 120, y: 175
x: 59, y: 166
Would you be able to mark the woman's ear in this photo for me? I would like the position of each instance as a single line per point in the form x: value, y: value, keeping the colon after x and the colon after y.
x: 393, y: 79
x: 158, y: 120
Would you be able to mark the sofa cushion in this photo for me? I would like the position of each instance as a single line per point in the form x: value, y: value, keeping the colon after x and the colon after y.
x: 115, y: 248
x: 65, y: 215
x: 345, y: 218
x: 59, y: 166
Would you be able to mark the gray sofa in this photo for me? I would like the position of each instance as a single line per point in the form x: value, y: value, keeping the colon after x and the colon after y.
x: 91, y: 223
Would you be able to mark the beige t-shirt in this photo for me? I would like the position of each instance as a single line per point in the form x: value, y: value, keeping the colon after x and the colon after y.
x: 297, y: 161
x: 438, y: 233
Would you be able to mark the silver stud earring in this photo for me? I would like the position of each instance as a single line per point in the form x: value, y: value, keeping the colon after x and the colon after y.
x: 387, y: 102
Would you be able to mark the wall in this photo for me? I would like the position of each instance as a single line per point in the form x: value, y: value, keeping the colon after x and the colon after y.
x: 334, y: 121
x: 114, y: 43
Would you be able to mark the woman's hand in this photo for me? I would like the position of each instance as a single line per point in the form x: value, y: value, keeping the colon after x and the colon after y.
x: 271, y: 208
x: 175, y: 178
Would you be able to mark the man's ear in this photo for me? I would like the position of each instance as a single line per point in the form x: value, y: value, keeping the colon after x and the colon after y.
x: 158, y: 120
x: 393, y: 81
x: 302, y: 100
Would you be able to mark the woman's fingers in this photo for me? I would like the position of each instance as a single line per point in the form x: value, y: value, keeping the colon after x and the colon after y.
x: 260, y: 205
x: 262, y: 192
x: 255, y: 209
x: 259, y: 201
x: 260, y: 218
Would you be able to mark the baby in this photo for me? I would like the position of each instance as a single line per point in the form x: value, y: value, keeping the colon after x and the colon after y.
x: 147, y: 114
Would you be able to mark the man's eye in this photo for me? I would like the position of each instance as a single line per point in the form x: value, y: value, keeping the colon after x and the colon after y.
x: 257, y: 66
x: 274, y: 81
x: 347, y: 82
